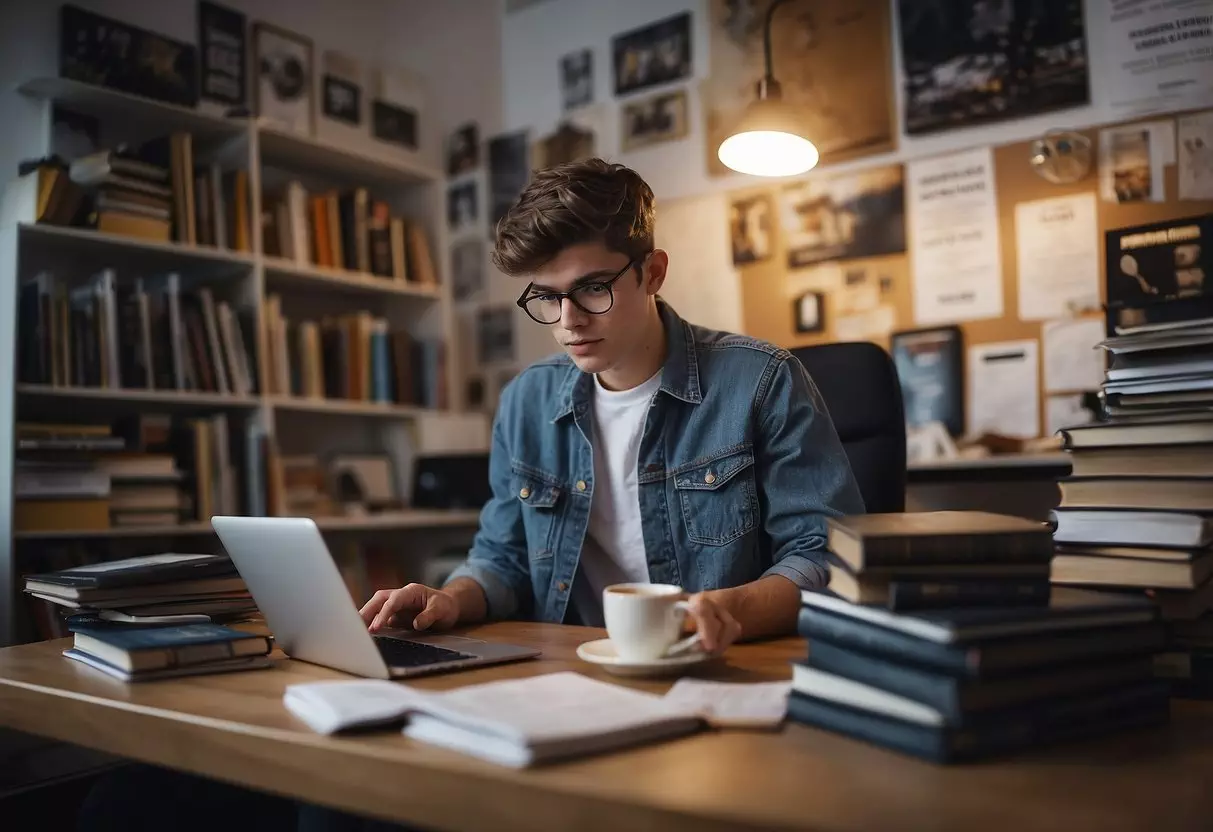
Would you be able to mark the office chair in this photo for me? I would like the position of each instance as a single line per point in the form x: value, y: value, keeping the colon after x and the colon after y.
x: 859, y: 384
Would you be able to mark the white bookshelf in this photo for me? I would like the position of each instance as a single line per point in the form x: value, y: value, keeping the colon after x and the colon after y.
x: 412, y: 188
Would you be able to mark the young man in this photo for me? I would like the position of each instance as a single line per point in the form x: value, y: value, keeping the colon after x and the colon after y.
x: 651, y: 450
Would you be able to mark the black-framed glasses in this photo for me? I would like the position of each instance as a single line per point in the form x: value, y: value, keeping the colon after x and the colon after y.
x: 594, y: 298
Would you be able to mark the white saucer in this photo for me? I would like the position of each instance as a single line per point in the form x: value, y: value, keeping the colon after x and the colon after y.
x: 601, y: 652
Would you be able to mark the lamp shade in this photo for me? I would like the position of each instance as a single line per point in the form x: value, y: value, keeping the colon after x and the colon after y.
x: 769, y: 140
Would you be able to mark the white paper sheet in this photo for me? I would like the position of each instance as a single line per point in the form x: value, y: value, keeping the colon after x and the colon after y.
x: 1131, y: 161
x: 1159, y: 54
x: 955, y: 257
x: 732, y: 704
x: 1071, y: 359
x: 1003, y: 389
x: 1057, y: 241
x: 1065, y: 411
x: 863, y: 326
x: 1195, y: 154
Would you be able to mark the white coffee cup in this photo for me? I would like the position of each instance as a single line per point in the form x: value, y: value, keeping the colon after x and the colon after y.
x: 644, y: 621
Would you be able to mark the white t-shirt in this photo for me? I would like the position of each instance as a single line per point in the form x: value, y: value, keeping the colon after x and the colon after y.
x: 613, y: 551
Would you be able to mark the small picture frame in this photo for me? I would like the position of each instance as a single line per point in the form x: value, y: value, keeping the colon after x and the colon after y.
x: 930, y: 370
x: 809, y: 313
x: 654, y: 119
x: 283, y: 63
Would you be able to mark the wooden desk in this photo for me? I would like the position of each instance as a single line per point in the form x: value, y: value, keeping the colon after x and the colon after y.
x: 234, y: 728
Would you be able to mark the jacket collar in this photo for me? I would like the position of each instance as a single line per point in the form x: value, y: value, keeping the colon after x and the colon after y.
x: 679, y: 374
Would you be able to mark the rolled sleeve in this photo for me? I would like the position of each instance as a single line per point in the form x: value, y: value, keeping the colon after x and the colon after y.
x: 500, y: 598
x: 805, y: 477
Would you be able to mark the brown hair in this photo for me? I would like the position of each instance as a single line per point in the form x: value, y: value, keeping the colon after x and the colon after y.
x: 578, y: 202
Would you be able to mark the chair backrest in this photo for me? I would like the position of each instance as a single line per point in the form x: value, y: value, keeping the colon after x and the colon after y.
x: 859, y: 384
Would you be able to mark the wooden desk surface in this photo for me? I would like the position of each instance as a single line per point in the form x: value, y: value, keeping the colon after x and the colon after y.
x: 234, y: 727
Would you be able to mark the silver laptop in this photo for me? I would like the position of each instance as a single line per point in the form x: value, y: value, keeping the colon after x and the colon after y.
x: 298, y: 588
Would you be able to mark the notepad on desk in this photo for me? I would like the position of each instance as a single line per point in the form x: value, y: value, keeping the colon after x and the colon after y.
x: 516, y: 722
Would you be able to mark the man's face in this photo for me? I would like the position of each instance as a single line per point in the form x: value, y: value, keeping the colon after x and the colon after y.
x: 600, y: 342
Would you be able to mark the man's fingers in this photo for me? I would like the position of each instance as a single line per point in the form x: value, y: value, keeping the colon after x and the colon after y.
x: 371, y: 607
x: 708, y: 625
x: 428, y: 615
x: 398, y: 600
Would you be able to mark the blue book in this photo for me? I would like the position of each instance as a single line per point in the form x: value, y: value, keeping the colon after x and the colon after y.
x: 141, y: 648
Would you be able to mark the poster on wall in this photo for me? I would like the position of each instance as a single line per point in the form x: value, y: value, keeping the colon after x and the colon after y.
x: 1195, y: 151
x: 283, y: 69
x: 222, y: 51
x: 577, y: 79
x: 1004, y: 389
x: 654, y: 54
x: 654, y: 119
x: 954, y: 252
x: 966, y: 63
x: 832, y: 60
x: 751, y: 228
x: 844, y: 217
x: 509, y: 172
x: 1057, y: 252
x: 1131, y: 161
x: 1160, y: 261
x: 1160, y: 54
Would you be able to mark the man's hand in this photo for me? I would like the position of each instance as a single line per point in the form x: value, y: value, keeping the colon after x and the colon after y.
x: 716, y: 626
x: 423, y: 606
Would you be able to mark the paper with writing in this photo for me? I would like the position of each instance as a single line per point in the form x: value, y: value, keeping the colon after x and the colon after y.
x: 1195, y: 152
x: 1159, y: 54
x: 1057, y: 242
x: 1072, y: 361
x: 1003, y: 389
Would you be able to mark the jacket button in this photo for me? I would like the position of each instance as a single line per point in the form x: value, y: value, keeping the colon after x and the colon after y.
x: 562, y: 586
x: 524, y: 493
x: 709, y: 478
x: 581, y: 485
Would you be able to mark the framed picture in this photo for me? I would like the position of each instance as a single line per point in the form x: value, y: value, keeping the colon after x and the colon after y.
x: 577, y: 79
x: 222, y: 54
x: 809, y: 313
x: 462, y: 207
x: 509, y: 171
x: 751, y: 223
x: 930, y: 369
x: 653, y: 120
x: 463, y: 150
x: 655, y: 54
x: 341, y: 88
x: 284, y: 67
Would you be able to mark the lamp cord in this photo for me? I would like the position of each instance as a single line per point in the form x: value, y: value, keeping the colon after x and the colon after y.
x: 766, y: 36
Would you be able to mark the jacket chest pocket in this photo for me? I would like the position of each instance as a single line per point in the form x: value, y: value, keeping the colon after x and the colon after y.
x: 718, y: 499
x: 540, y: 500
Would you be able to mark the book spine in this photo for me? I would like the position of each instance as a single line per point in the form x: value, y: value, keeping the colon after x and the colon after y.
x: 935, y: 691
x: 816, y: 625
x: 1029, y: 547
x: 920, y: 595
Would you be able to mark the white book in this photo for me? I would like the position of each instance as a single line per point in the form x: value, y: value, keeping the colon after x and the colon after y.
x: 516, y: 722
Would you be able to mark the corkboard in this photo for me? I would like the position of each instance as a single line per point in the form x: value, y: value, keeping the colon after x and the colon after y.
x: 769, y: 287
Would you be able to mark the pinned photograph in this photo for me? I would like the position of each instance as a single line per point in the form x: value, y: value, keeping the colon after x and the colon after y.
x: 283, y: 65
x: 845, y: 217
x: 1131, y: 179
x: 577, y: 79
x: 653, y: 120
x: 463, y: 150
x: 467, y: 269
x: 461, y: 207
x: 495, y: 334
x: 751, y: 225
x: 966, y: 63
x: 655, y: 54
x: 809, y: 313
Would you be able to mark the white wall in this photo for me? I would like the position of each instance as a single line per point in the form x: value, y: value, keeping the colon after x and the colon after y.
x: 536, y: 37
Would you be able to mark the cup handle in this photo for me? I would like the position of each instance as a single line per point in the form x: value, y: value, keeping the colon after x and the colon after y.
x: 682, y: 609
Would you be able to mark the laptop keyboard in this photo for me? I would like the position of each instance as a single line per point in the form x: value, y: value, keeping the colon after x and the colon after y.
x: 399, y: 653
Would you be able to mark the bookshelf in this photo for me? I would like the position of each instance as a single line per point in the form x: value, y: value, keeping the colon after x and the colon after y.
x: 258, y: 285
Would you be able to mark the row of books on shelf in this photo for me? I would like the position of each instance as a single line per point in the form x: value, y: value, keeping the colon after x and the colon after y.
x: 152, y: 335
x: 154, y: 191
x: 347, y: 230
x: 354, y: 356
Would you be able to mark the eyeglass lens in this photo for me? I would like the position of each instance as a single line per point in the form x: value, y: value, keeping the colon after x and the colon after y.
x: 595, y: 298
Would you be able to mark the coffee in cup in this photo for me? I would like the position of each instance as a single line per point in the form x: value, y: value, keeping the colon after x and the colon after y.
x: 644, y: 621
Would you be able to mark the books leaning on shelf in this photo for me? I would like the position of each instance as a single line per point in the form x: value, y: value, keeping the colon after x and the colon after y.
x: 346, y: 230
x: 149, y: 335
x: 981, y: 673
x: 141, y: 652
x: 154, y: 191
x: 167, y: 588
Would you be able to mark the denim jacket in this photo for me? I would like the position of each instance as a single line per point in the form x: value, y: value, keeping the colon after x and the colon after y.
x: 739, y: 467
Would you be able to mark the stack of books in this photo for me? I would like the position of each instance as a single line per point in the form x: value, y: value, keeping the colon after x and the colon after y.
x: 142, y: 652
x: 168, y: 588
x: 978, y: 675
x: 1136, y: 513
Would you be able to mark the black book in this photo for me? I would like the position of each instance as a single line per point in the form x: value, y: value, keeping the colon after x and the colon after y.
x: 991, y: 658
x: 1068, y: 609
x: 140, y: 571
x: 1135, y: 706
x: 957, y: 699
